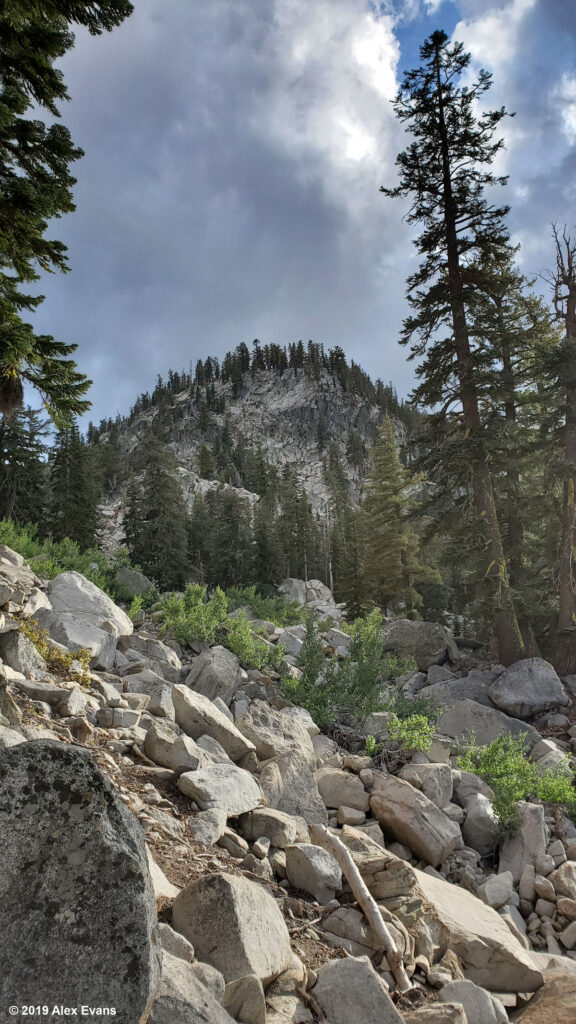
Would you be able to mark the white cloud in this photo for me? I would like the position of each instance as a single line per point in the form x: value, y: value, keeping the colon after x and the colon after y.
x: 492, y: 38
x: 331, y: 72
x: 564, y: 95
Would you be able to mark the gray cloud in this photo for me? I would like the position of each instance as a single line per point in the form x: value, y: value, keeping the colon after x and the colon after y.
x: 234, y: 152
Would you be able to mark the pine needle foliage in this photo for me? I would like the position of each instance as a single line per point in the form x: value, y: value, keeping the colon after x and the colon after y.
x: 35, y: 188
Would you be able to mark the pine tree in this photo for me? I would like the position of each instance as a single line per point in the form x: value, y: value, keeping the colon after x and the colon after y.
x: 229, y: 560
x: 36, y: 187
x: 391, y: 563
x: 350, y: 584
x: 157, y: 523
x: 560, y: 365
x: 268, y: 565
x: 446, y: 172
x: 206, y: 464
x: 74, y: 493
x: 23, y: 478
x: 199, y: 539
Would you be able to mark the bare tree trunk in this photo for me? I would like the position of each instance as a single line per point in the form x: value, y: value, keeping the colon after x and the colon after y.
x: 322, y: 837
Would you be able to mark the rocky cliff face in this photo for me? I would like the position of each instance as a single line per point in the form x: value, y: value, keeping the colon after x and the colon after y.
x: 280, y: 416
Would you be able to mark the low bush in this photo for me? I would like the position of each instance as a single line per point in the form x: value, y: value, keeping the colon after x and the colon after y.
x: 249, y: 648
x: 504, y: 764
x: 406, y: 707
x: 331, y: 689
x: 48, y: 558
x: 372, y: 748
x: 193, y: 615
x: 59, y: 663
x: 271, y: 607
x: 412, y: 733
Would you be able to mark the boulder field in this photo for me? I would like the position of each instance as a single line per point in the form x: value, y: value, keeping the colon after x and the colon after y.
x: 161, y: 815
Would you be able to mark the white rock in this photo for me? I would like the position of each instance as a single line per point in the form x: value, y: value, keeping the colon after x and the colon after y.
x: 314, y: 870
x: 497, y: 889
x: 480, y: 828
x: 339, y: 788
x: 235, y: 925
x: 70, y: 592
x: 215, y: 673
x: 480, y: 1006
x: 528, y: 844
x: 199, y: 716
x: 413, y: 819
x: 350, y: 990
x: 222, y: 787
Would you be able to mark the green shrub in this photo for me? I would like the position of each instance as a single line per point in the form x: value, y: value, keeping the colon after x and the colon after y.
x: 271, y: 608
x: 407, y: 707
x: 48, y: 558
x: 505, y: 766
x: 193, y: 616
x: 248, y: 647
x: 413, y: 733
x: 330, y: 688
x: 59, y: 663
x: 136, y: 606
x: 372, y: 748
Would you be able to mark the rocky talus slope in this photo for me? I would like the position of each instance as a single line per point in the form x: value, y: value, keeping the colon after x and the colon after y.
x: 167, y: 827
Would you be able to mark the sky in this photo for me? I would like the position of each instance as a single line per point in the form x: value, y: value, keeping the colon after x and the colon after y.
x: 234, y: 151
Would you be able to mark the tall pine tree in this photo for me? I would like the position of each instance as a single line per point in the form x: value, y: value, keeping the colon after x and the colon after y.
x: 156, y: 522
x: 391, y: 563
x: 445, y: 172
x: 23, y: 476
x: 74, y: 493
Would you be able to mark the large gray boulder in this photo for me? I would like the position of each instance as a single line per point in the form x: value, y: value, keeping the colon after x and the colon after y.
x: 297, y: 790
x: 435, y: 781
x: 350, y: 990
x: 480, y: 828
x: 313, y: 870
x: 528, y: 688
x: 293, y: 590
x: 281, y: 829
x: 72, y: 593
x: 77, y: 909
x: 20, y: 654
x: 338, y: 788
x: 77, y: 633
x: 134, y: 583
x: 183, y: 999
x: 427, y: 642
x: 156, y: 687
x: 480, y: 1006
x: 199, y: 716
x: 180, y: 753
x: 221, y: 791
x: 235, y: 925
x: 467, y: 718
x: 17, y: 582
x: 491, y: 955
x: 215, y: 673
x: 475, y: 686
x: 411, y: 818
x: 528, y: 844
x: 274, y: 732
